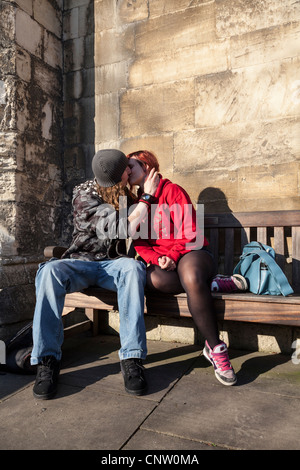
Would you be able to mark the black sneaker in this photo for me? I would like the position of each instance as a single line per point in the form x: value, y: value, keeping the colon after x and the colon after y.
x: 132, y: 370
x: 45, y: 386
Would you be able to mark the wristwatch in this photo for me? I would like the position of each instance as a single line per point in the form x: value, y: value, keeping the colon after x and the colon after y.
x: 147, y: 198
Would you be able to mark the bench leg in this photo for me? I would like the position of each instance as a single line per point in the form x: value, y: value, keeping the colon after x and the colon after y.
x: 93, y: 315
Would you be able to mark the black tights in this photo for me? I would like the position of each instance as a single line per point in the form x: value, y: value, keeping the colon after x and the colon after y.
x: 194, y: 270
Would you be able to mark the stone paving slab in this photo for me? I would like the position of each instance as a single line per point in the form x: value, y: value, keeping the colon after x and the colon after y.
x: 149, y: 440
x: 261, y: 412
x: 92, y: 409
x: 98, y: 364
x: 76, y: 419
x: 185, y: 408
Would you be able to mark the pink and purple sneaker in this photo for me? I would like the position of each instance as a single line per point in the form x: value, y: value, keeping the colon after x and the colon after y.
x: 228, y: 284
x: 219, y: 358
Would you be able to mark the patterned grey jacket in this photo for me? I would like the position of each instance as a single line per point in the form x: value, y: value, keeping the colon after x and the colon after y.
x: 95, y: 234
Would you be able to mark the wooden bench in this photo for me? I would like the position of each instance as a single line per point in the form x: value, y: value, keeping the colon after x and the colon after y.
x: 227, y: 234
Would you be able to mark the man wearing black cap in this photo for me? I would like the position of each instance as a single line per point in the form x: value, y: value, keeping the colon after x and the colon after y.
x: 94, y: 258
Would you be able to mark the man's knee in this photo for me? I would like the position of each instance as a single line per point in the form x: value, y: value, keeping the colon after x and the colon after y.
x: 54, y: 268
x: 135, y: 269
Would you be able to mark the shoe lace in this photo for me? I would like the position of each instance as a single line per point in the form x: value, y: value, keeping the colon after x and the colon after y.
x: 222, y: 360
x: 46, y: 369
x: 134, y: 367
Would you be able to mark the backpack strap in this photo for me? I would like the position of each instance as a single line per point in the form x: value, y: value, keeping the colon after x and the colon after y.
x: 278, y: 275
x: 246, y: 259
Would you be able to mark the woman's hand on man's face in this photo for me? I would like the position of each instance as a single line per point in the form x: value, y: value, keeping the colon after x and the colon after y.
x: 151, y: 182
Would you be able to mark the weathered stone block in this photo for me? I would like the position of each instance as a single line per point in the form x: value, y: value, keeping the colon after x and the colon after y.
x: 53, y: 50
x: 242, y: 190
x: 89, y: 51
x: 47, y: 79
x: 87, y: 130
x: 8, y: 246
x: 74, y: 54
x: 182, y: 29
x: 128, y: 12
x: 176, y: 65
x: 70, y: 24
x: 73, y: 85
x: 17, y: 303
x: 267, y: 181
x: 104, y: 12
x: 107, y: 119
x: 48, y: 16
x: 46, y: 121
x: 7, y: 184
x: 111, y: 77
x: 237, y: 145
x: 265, y: 46
x: 114, y: 46
x: 161, y: 7
x: 254, y: 93
x: 69, y: 4
x: 8, y: 22
x: 86, y: 20
x: 26, y: 5
x: 29, y: 33
x: 236, y: 17
x: 157, y: 109
x: 23, y: 65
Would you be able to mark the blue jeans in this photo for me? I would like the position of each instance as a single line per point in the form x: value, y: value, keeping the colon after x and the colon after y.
x: 56, y: 278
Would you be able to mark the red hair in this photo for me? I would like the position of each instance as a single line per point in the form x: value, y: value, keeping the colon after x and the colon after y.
x: 146, y: 157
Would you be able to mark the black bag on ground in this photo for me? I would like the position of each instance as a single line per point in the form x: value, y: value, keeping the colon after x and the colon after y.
x: 18, y: 352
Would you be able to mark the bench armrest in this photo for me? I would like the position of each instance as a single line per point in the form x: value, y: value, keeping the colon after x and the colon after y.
x: 54, y: 251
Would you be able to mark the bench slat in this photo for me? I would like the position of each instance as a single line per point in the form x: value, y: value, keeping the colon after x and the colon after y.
x: 258, y: 312
x: 279, y: 246
x: 245, y: 237
x: 296, y: 258
x: 214, y: 243
x: 254, y: 219
x: 262, y: 235
x: 245, y: 307
x: 229, y: 250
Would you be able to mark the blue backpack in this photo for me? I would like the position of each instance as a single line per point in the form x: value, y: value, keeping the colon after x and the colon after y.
x: 257, y: 264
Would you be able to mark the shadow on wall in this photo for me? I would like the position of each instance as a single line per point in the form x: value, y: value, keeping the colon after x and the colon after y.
x: 214, y: 200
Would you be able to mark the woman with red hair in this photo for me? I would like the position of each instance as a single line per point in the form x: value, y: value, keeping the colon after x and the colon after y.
x: 177, y: 263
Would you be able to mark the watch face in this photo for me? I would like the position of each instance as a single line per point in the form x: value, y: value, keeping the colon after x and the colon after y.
x: 147, y: 197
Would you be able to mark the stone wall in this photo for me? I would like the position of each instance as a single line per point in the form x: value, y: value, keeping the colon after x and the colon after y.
x: 31, y: 123
x: 79, y: 99
x: 211, y: 87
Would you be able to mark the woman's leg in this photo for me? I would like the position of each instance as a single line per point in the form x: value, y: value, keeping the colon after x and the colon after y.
x: 193, y: 275
x: 195, y: 269
x: 162, y: 280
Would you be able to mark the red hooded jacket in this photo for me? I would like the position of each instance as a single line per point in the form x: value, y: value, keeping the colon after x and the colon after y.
x: 170, y: 228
